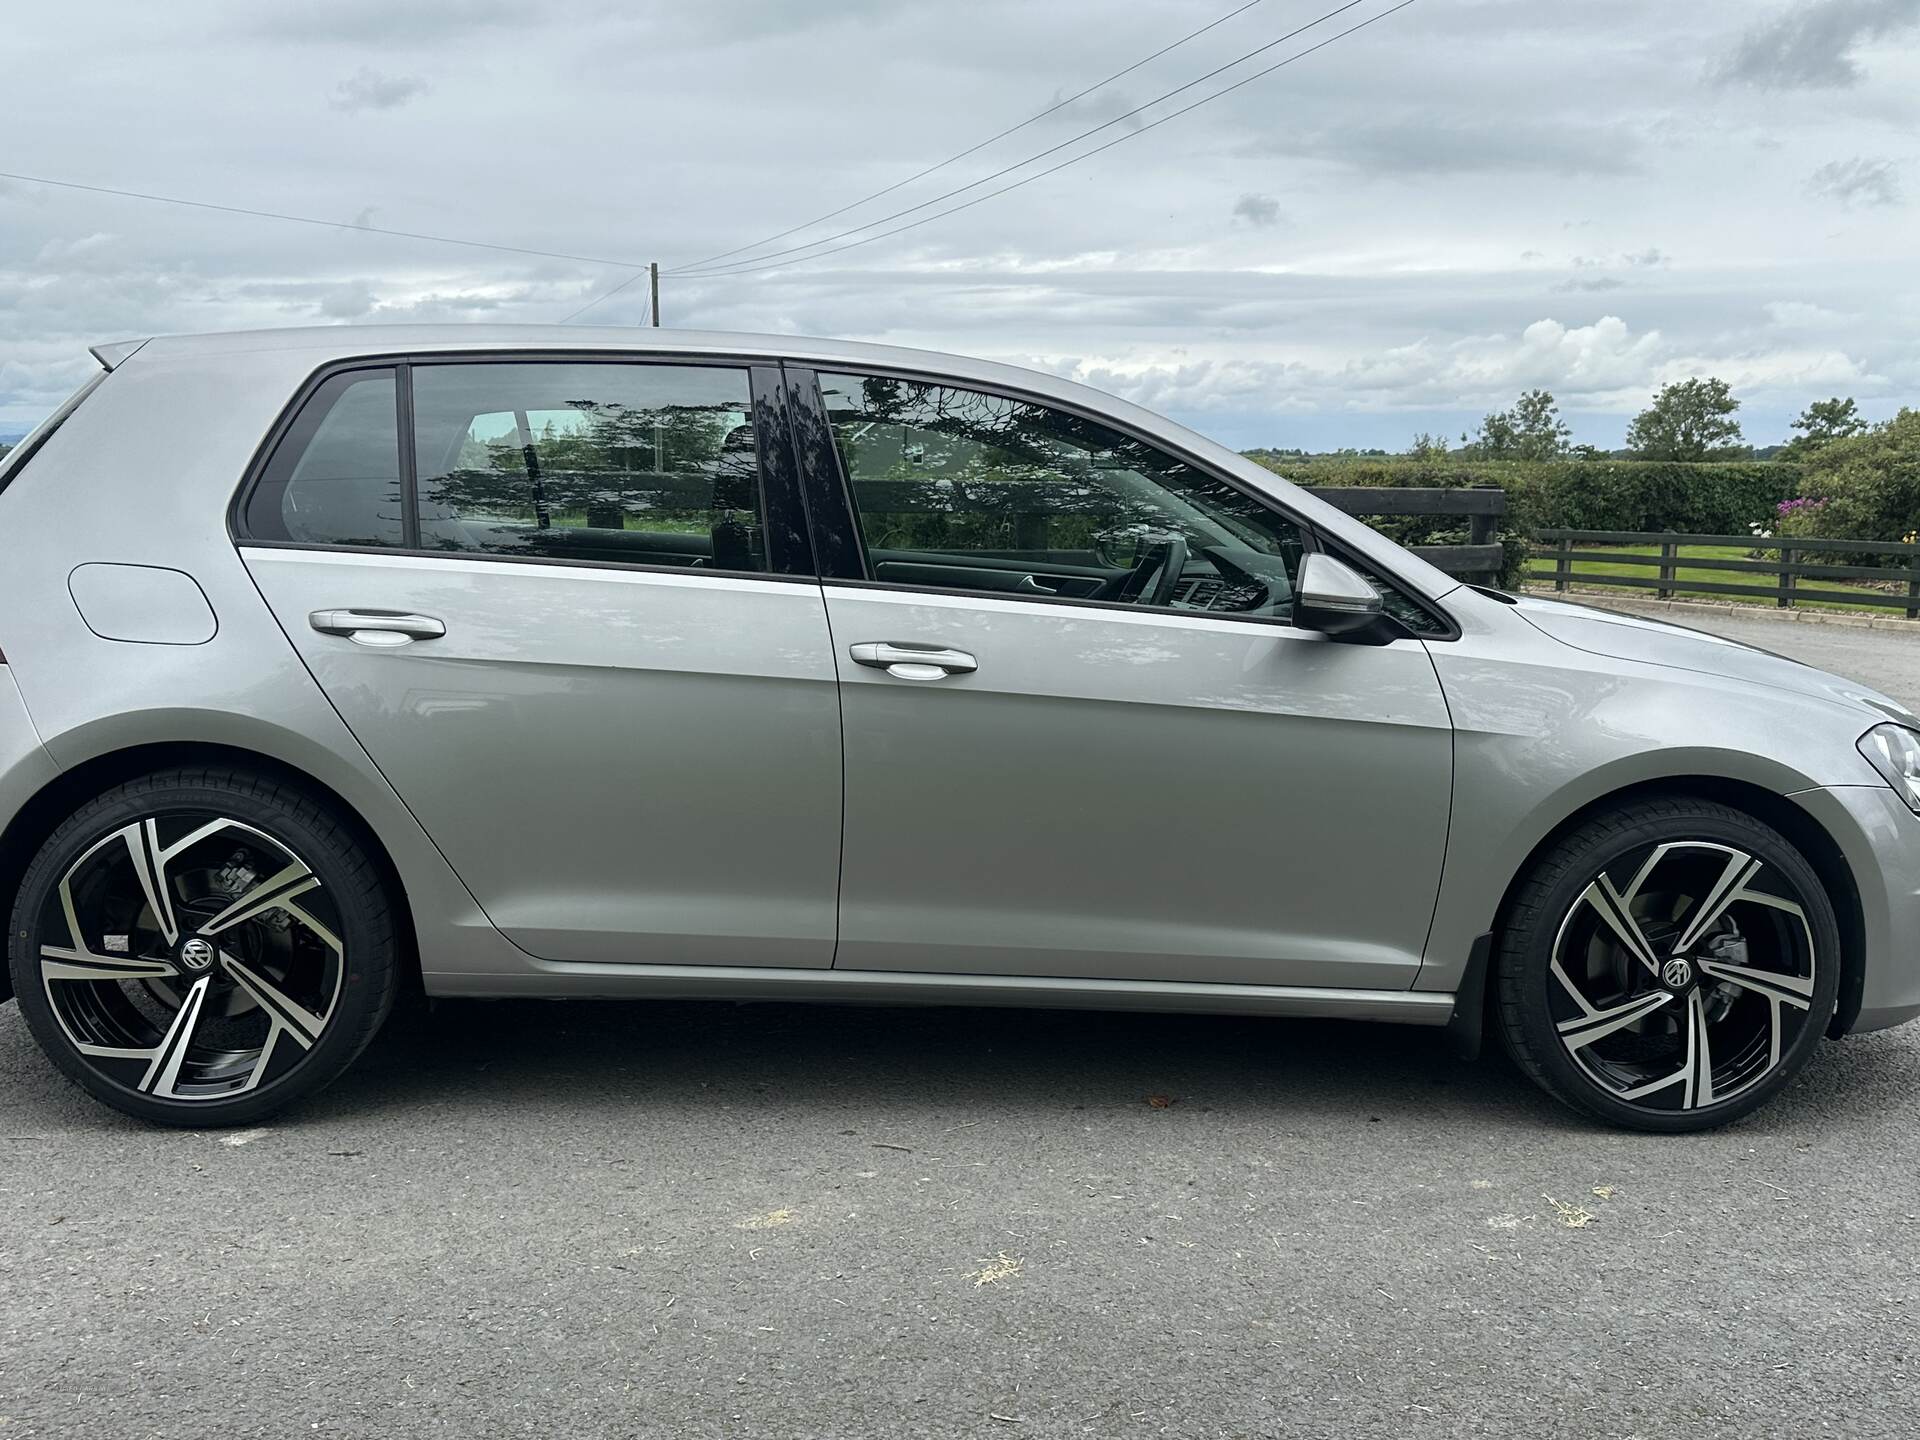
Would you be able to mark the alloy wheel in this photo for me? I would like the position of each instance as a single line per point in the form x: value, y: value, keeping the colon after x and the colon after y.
x: 1682, y: 974
x: 191, y: 956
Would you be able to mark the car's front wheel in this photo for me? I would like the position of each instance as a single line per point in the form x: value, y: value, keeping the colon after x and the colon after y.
x: 200, y: 947
x: 1669, y: 965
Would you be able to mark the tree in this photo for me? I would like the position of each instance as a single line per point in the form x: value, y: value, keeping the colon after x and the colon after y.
x: 1428, y: 447
x: 1823, y: 422
x: 1542, y: 434
x: 1496, y: 439
x: 1531, y: 430
x: 1688, y: 420
x: 1870, y: 482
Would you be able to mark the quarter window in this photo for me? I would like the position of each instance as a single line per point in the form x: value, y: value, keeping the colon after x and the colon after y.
x: 962, y: 489
x: 334, y: 478
x: 641, y: 464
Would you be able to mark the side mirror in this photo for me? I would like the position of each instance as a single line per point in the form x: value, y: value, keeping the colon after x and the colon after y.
x: 1334, y: 598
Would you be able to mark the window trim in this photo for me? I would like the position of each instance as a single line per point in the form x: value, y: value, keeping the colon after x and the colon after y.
x: 807, y: 379
x: 409, y: 460
x: 558, y: 562
x: 839, y: 544
x: 774, y: 451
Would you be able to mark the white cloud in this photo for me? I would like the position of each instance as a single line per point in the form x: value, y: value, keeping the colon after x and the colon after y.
x: 1587, y: 364
x: 1377, y: 232
x: 85, y: 250
x: 1798, y: 315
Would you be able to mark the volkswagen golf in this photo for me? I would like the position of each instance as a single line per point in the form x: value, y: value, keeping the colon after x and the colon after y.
x: 563, y: 662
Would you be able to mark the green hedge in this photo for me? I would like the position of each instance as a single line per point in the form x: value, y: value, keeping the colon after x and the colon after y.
x: 1722, y: 498
x: 1706, y: 499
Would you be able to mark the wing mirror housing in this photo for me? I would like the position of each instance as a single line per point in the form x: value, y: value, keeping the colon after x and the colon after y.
x: 1336, y: 600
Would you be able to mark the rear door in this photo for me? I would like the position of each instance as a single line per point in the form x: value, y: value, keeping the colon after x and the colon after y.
x: 568, y: 607
x: 1082, y: 739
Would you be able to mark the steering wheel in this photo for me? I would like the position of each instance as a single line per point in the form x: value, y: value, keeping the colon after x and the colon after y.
x: 1171, y: 552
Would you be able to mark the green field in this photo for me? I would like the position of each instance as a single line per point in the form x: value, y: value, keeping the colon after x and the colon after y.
x: 1540, y: 574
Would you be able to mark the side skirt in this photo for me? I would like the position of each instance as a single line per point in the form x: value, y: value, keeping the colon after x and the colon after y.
x: 880, y: 987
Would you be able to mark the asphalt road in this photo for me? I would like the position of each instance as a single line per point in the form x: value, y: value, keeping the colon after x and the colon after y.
x: 692, y: 1220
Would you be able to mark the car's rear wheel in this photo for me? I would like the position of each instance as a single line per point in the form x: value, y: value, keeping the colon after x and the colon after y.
x: 201, y: 947
x: 1668, y: 966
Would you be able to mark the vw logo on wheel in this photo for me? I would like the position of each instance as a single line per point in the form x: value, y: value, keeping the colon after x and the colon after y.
x: 196, y: 954
x: 1676, y: 974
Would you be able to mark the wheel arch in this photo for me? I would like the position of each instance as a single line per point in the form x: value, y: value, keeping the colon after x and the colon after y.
x: 1803, y: 831
x: 34, y: 821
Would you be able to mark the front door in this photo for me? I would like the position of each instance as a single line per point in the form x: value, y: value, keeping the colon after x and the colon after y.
x: 567, y: 611
x: 1083, y: 740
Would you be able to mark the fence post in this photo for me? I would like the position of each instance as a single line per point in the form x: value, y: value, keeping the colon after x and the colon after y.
x: 1668, y: 553
x: 1913, y: 584
x: 1563, y: 565
x: 1785, y: 602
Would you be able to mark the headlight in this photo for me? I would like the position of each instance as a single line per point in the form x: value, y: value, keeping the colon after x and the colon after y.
x: 1894, y: 751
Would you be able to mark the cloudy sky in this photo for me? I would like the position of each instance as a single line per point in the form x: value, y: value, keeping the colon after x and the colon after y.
x: 1394, y: 234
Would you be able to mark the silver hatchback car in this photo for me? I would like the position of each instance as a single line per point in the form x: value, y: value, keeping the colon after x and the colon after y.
x: 515, y: 662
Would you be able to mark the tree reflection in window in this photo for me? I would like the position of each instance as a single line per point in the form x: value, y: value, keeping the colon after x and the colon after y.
x: 942, y: 471
x: 656, y: 464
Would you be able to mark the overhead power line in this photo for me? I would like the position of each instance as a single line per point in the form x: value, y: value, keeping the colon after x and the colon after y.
x: 626, y: 284
x: 637, y: 265
x: 1071, y: 160
x: 650, y: 274
x: 970, y: 150
x: 1031, y: 159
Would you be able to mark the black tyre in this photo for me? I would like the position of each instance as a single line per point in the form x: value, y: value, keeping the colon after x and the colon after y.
x: 1668, y: 966
x: 201, y: 947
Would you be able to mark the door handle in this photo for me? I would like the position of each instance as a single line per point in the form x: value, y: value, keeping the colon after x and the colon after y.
x: 914, y: 662
x: 378, y: 628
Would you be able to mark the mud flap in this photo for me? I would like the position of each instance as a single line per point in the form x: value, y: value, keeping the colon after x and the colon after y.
x: 1468, y: 1025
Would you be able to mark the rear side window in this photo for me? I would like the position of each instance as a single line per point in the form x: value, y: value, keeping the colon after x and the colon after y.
x: 334, y: 478
x: 638, y: 464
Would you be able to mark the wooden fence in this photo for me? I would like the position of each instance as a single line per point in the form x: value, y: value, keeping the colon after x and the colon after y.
x: 1481, y: 558
x: 1779, y: 562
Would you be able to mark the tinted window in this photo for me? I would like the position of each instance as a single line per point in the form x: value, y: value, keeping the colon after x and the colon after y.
x: 974, y: 491
x: 334, y: 478
x: 1418, y: 619
x: 644, y: 464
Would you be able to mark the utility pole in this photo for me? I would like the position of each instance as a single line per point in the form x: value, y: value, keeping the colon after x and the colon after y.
x: 653, y: 286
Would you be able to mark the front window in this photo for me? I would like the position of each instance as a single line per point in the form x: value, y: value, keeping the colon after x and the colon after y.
x: 959, y: 488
